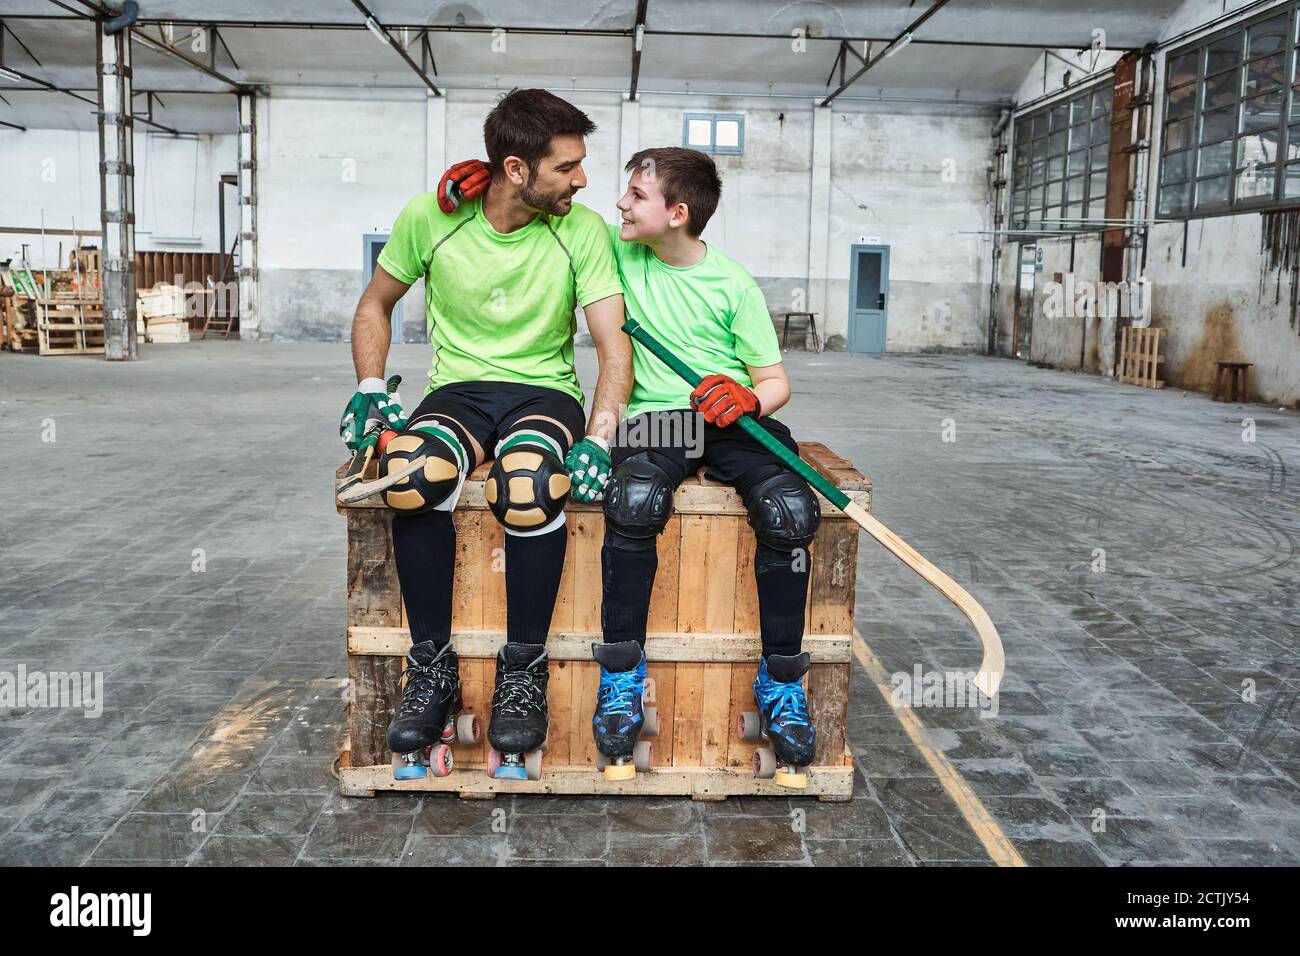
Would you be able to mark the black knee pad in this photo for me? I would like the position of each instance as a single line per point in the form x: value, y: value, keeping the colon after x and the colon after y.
x: 783, y: 512
x: 527, y: 486
x: 638, y: 500
x: 435, y: 486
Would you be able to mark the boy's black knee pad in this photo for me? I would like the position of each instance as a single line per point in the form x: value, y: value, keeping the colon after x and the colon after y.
x: 783, y: 512
x: 638, y: 503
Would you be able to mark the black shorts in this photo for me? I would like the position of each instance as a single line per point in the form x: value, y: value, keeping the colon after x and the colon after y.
x: 489, y: 411
x: 679, y: 441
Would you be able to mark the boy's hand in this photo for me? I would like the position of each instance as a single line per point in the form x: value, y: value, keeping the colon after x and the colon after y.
x: 589, y: 466
x: 722, y: 400
x: 463, y: 181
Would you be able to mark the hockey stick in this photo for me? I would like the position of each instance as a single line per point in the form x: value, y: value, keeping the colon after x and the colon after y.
x: 359, y: 491
x: 991, y: 667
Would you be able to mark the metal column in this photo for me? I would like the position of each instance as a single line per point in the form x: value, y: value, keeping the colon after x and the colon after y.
x: 250, y: 315
x: 117, y: 193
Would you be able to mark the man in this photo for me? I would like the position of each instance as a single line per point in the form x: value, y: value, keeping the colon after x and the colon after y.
x: 503, y: 274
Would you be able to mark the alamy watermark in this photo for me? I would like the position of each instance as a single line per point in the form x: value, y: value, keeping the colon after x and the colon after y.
x: 922, y: 688
x: 1083, y: 298
x: 73, y: 690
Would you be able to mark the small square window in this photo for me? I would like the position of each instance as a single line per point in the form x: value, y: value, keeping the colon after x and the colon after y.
x: 714, y: 132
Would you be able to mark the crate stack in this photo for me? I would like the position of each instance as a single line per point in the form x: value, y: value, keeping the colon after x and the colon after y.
x: 160, y: 314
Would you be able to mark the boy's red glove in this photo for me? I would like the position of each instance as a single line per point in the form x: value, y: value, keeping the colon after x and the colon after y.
x: 722, y: 400
x: 463, y: 181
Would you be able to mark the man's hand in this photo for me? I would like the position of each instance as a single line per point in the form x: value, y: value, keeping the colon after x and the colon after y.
x: 463, y: 181
x: 723, y: 400
x: 589, y: 466
x: 371, y: 404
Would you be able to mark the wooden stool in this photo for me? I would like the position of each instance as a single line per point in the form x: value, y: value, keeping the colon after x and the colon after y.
x: 812, y: 327
x: 1230, y: 382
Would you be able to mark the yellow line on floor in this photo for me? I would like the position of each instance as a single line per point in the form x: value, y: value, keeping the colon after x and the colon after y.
x: 999, y: 848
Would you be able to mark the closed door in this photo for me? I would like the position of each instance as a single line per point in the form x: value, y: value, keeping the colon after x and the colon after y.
x: 1025, y: 281
x: 372, y: 245
x: 868, y: 298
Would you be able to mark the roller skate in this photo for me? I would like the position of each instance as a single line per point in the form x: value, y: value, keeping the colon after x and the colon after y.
x: 782, y: 719
x: 517, y: 731
x: 621, y: 716
x: 429, y: 716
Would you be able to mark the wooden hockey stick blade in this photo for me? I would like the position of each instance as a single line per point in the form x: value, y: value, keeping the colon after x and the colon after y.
x: 994, y: 662
x: 362, y: 490
x: 356, y: 467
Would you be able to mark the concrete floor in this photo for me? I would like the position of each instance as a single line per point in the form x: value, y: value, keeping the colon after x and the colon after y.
x: 1123, y: 703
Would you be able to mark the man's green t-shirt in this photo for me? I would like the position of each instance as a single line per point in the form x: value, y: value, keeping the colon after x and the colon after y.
x: 500, y: 306
x: 711, y: 314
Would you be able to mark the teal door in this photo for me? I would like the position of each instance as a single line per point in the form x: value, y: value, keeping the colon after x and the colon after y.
x: 868, y: 298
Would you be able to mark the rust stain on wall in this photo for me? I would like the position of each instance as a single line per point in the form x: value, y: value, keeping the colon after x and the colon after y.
x: 1218, y: 343
x: 1280, y: 243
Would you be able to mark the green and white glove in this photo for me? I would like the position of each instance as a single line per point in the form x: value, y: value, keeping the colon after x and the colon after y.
x: 371, y: 404
x: 589, y: 466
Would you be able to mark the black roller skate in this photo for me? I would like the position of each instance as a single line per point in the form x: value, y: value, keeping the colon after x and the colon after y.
x: 429, y: 716
x: 621, y: 716
x: 517, y: 731
x: 782, y: 719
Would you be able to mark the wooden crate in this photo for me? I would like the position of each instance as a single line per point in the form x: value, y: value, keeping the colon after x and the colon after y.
x: 702, y: 648
x: 1140, y: 357
x: 69, y: 324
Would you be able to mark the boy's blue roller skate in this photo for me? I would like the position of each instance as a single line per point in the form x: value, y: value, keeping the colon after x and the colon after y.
x: 782, y: 719
x: 517, y: 731
x: 429, y: 718
x: 621, y: 715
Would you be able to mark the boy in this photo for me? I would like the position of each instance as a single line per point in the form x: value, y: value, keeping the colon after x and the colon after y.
x: 710, y: 312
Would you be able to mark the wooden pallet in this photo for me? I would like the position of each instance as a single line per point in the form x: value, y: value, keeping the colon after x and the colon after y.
x: 702, y: 648
x: 1140, y: 357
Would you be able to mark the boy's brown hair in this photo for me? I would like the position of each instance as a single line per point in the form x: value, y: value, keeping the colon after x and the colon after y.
x: 686, y: 176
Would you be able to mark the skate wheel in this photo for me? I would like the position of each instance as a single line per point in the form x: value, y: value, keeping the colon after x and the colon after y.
x: 533, y: 764
x: 467, y: 729
x: 648, y: 691
x: 793, y: 779
x: 493, y: 762
x: 748, y: 725
x: 615, y: 772
x: 764, y: 763
x: 440, y: 761
x: 449, y: 732
x: 643, y: 756
x: 650, y: 728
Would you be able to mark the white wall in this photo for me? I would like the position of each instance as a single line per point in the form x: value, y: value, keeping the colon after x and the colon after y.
x: 56, y: 172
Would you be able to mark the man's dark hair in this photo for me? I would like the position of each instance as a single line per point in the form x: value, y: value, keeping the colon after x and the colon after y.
x: 684, y: 175
x: 522, y: 124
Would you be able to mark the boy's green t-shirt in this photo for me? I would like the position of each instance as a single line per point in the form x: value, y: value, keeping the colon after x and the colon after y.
x: 500, y: 306
x: 711, y: 314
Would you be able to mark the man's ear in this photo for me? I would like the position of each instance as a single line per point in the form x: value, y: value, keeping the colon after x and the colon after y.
x: 516, y: 170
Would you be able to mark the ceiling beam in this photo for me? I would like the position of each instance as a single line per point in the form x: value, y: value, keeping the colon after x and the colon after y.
x: 203, y: 68
x: 896, y: 44
x: 377, y: 28
x: 51, y: 88
x: 638, y: 40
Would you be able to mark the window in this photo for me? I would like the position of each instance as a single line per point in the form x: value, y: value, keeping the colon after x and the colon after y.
x: 1228, y: 101
x: 714, y: 132
x: 1059, y: 162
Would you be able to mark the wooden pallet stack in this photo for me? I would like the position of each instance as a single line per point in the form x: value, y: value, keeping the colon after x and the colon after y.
x: 702, y: 648
x: 1140, y: 357
x: 160, y: 314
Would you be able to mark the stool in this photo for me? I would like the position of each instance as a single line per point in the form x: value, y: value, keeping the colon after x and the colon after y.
x: 1230, y: 381
x: 812, y: 327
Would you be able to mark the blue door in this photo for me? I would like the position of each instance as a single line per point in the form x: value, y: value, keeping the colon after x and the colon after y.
x: 868, y: 298
x: 371, y: 245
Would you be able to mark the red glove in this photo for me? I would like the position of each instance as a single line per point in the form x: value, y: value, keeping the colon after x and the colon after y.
x: 463, y: 181
x: 723, y: 400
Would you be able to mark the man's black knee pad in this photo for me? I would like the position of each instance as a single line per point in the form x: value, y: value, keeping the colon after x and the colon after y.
x: 783, y: 512
x: 638, y: 502
x: 437, y: 485
x: 527, y: 486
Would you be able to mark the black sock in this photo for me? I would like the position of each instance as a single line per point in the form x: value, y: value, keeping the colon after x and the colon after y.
x: 424, y: 546
x: 534, y: 566
x: 782, y: 578
x: 627, y: 580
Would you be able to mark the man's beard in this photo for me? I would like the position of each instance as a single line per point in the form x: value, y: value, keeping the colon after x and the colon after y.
x: 549, y: 203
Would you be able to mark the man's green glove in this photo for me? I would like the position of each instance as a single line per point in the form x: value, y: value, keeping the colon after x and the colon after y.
x: 589, y: 466
x: 372, y: 403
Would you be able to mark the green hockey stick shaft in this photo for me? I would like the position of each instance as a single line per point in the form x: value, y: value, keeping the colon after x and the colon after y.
x: 760, y: 434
